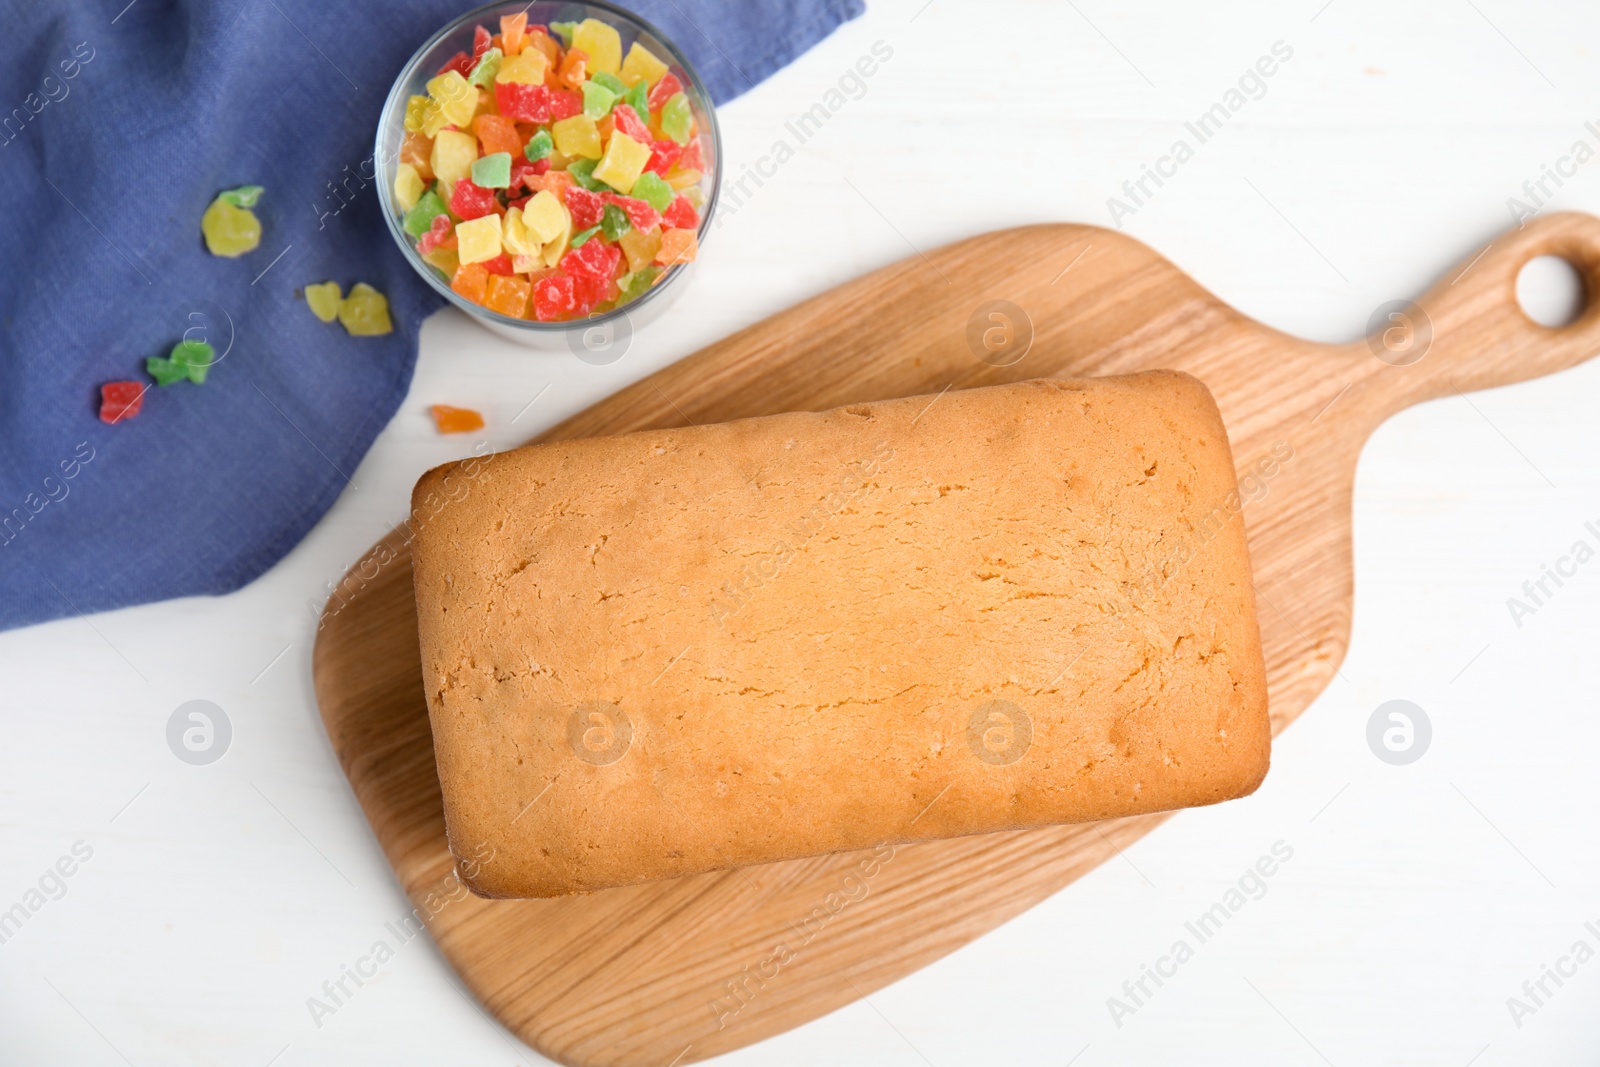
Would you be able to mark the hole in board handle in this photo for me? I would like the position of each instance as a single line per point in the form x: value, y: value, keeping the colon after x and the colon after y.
x: 1550, y: 291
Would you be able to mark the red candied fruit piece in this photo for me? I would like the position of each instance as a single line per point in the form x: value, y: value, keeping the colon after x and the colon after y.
x: 589, y: 290
x: 552, y: 298
x: 691, y: 158
x: 471, y: 201
x: 522, y: 168
x: 524, y: 103
x: 500, y: 264
x: 120, y: 400
x: 628, y: 122
x: 564, y: 103
x: 585, y: 207
x: 461, y: 63
x: 681, y: 215
x: 664, y: 90
x: 481, y: 41
x: 592, y: 259
x: 640, y: 214
x: 663, y: 154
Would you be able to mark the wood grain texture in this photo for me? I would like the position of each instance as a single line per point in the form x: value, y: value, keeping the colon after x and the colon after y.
x: 647, y: 974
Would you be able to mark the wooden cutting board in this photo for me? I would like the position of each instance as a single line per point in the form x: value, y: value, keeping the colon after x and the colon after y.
x: 678, y: 971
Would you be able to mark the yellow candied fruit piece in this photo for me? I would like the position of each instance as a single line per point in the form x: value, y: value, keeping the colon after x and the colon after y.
x: 640, y: 247
x: 479, y: 240
x: 365, y: 312
x: 555, y: 249
x: 444, y: 259
x: 515, y: 236
x: 454, y: 152
x: 526, y: 264
x: 696, y: 196
x: 456, y: 97
x: 230, y: 231
x: 623, y: 162
x: 408, y: 187
x: 601, y: 43
x: 641, y: 63
x: 680, y: 181
x: 545, y: 216
x: 528, y: 67
x: 323, y: 300
x: 577, y: 136
x: 416, y: 113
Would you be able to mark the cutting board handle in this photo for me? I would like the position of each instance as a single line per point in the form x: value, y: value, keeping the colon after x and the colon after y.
x: 1473, y: 334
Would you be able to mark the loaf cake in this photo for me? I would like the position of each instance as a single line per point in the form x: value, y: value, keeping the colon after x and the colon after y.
x: 688, y: 649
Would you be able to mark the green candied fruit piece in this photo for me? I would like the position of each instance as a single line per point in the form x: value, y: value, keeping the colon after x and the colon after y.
x: 634, y: 285
x: 677, y: 121
x: 638, y: 98
x: 196, y: 357
x: 610, y: 81
x: 190, y: 360
x: 582, y: 171
x: 539, y: 145
x: 493, y: 171
x: 165, y: 371
x: 323, y: 300
x: 419, y: 220
x: 242, y: 196
x: 488, y: 66
x: 653, y: 189
x: 614, y: 222
x: 581, y: 238
x: 564, y: 30
x: 597, y: 100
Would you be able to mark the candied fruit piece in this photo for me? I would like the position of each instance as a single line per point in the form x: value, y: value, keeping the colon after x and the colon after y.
x: 597, y: 100
x: 528, y: 68
x: 677, y: 246
x: 478, y: 239
x: 577, y: 136
x: 440, y: 232
x: 539, y: 146
x: 552, y: 298
x: 491, y: 172
x: 454, y: 152
x: 488, y: 66
x: 500, y: 264
x: 455, y: 97
x: 461, y: 63
x: 365, y: 312
x: 622, y: 163
x: 496, y: 133
x: 574, y: 69
x: 641, y: 65
x: 681, y: 215
x: 545, y: 217
x: 585, y: 207
x: 408, y: 187
x: 455, y: 420
x: 664, y: 90
x: 513, y: 29
x: 417, y: 150
x: 508, y: 295
x: 614, y: 223
x: 471, y: 200
x: 640, y: 214
x: 640, y: 246
x: 420, y: 218
x: 470, y: 281
x: 120, y: 400
x: 323, y: 300
x: 601, y: 42
x: 653, y: 190
x: 230, y: 228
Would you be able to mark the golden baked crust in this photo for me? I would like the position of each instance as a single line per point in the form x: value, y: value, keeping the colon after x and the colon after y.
x: 681, y: 650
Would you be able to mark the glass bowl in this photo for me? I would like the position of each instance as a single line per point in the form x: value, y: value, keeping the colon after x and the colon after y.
x: 457, y: 36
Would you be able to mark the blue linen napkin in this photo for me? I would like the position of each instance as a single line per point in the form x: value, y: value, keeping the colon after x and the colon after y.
x: 119, y: 122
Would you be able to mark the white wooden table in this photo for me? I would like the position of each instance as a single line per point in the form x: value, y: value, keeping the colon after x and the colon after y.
x: 215, y: 901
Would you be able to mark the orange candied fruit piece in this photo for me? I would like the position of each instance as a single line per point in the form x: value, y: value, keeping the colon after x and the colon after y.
x: 470, y: 281
x: 417, y: 150
x: 574, y: 70
x: 456, y: 420
x: 513, y: 32
x: 677, y: 246
x: 537, y: 38
x: 508, y: 295
x: 496, y: 133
